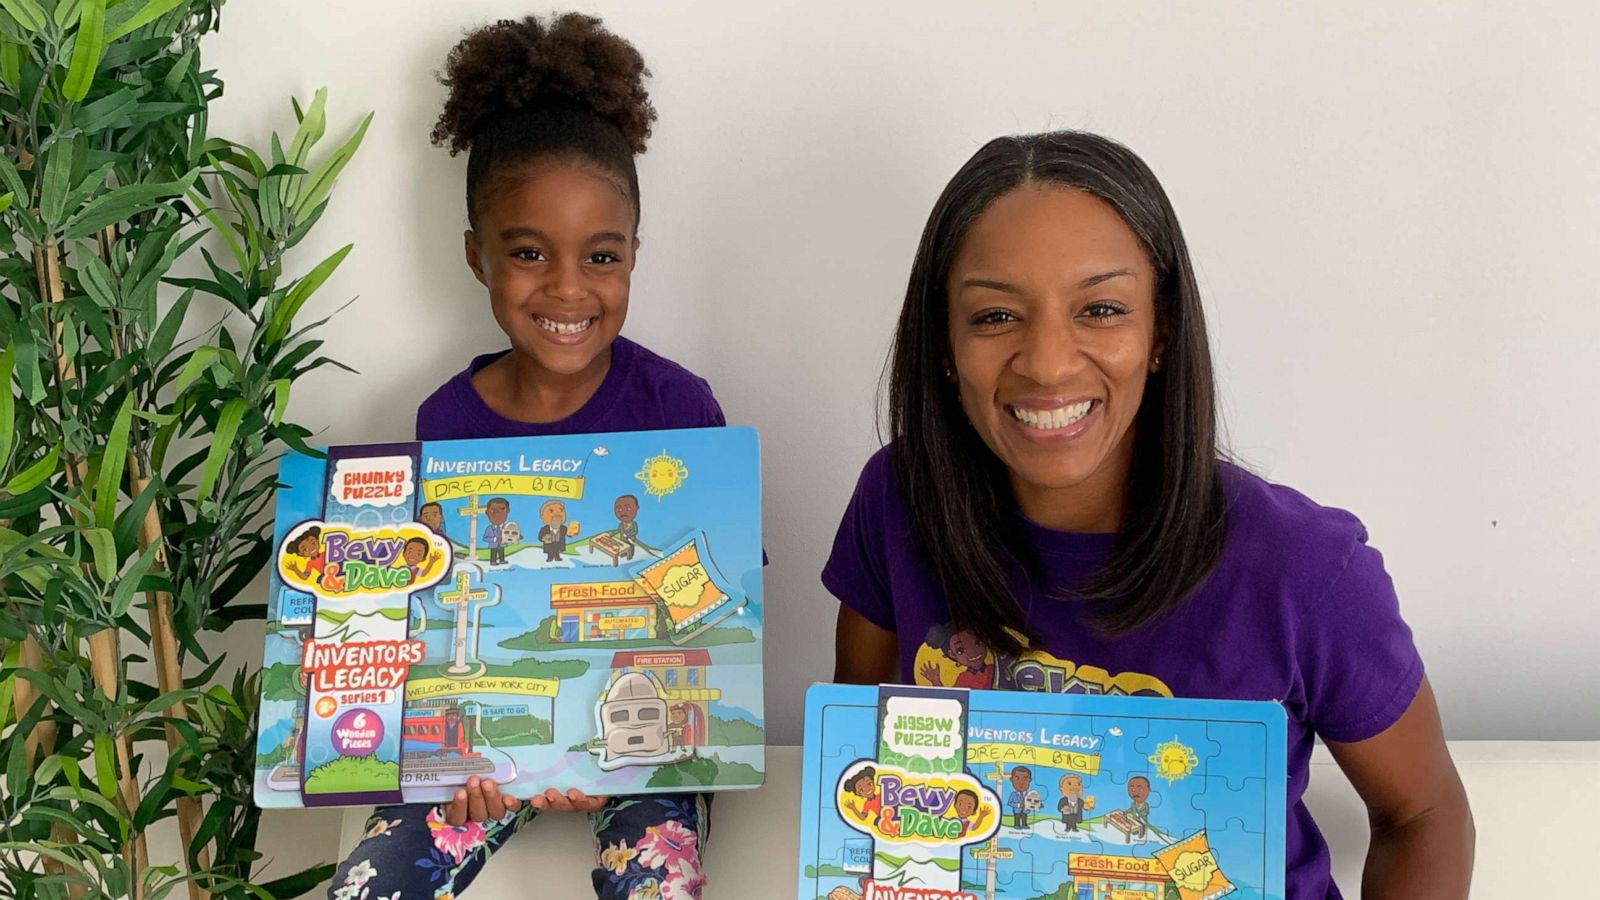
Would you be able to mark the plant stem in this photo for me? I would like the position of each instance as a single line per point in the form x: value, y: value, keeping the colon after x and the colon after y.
x: 105, y: 657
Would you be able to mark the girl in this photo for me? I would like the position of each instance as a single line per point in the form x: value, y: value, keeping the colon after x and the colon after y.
x: 308, y: 546
x: 551, y: 116
x: 1054, y: 488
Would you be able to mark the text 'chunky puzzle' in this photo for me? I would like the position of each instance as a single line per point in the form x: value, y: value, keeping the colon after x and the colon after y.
x: 914, y: 793
x: 575, y: 611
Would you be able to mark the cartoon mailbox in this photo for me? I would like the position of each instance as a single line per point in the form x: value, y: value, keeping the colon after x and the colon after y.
x: 633, y: 718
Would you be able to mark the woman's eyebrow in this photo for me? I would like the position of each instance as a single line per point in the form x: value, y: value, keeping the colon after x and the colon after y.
x: 1007, y: 287
x: 1093, y: 280
x: 992, y: 284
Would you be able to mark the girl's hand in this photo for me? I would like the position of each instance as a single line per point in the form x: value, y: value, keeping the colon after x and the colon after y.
x: 573, y: 800
x: 930, y: 673
x: 479, y: 801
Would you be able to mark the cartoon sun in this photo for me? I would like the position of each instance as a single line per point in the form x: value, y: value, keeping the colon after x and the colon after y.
x: 1173, y: 760
x: 662, y: 475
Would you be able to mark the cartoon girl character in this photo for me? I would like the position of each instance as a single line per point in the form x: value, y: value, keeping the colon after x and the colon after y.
x: 864, y: 786
x: 420, y: 557
x: 308, y: 546
x: 965, y: 650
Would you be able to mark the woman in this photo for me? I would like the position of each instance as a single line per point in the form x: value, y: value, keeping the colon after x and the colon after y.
x: 1054, y: 489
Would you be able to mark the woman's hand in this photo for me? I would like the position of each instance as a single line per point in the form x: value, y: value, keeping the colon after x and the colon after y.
x: 479, y: 801
x: 573, y: 800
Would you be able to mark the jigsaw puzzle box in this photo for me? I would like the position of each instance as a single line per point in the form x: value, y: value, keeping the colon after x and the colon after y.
x: 576, y: 611
x: 913, y: 793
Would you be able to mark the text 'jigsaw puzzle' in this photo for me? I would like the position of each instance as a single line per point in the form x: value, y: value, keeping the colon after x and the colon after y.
x: 579, y: 611
x: 946, y: 794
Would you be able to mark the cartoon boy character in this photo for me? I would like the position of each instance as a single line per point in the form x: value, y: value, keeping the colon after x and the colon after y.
x: 864, y: 785
x: 308, y: 546
x: 1073, y: 803
x: 1022, y: 798
x: 969, y: 811
x: 626, y: 509
x: 965, y: 650
x: 1139, y: 809
x: 420, y: 557
x: 553, y: 536
x: 432, y: 515
x: 494, y: 536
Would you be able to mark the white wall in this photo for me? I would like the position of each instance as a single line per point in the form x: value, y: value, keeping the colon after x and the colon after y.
x: 1395, y: 212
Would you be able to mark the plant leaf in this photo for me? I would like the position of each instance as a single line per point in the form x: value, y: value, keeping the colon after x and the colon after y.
x: 103, y: 113
x: 221, y: 444
x: 283, y: 316
x: 57, y: 180
x: 86, y: 55
x: 117, y: 205
x: 112, y: 464
x: 319, y: 183
x: 105, y: 766
x: 34, y: 475
x: 128, y: 585
x: 280, y: 402
x: 201, y: 358
x: 9, y: 174
x: 300, y: 883
x: 11, y: 65
x: 97, y: 281
x: 66, y: 11
x: 152, y: 10
x: 27, y: 13
x: 105, y: 552
x: 8, y: 405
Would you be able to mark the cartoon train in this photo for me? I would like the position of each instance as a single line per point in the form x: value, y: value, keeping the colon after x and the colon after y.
x: 435, y: 733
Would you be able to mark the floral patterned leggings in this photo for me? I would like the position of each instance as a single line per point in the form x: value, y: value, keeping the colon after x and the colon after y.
x: 646, y: 847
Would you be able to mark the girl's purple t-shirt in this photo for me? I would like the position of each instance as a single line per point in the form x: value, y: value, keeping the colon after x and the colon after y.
x: 1299, y: 610
x: 641, y: 392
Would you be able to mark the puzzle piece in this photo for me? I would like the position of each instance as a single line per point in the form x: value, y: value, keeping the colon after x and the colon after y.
x: 1244, y: 745
x: 1240, y: 854
x: 1222, y: 801
x: 1178, y: 748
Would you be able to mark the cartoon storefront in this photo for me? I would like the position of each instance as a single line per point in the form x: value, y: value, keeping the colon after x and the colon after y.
x: 1103, y: 877
x: 603, y: 611
x: 682, y: 675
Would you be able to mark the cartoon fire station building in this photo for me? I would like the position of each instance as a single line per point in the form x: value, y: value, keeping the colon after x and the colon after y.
x: 633, y: 720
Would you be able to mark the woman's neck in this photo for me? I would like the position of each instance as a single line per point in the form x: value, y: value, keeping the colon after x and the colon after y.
x: 517, y: 387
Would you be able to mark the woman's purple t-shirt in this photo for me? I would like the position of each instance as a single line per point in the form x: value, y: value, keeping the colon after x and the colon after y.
x: 1298, y: 610
x: 641, y: 392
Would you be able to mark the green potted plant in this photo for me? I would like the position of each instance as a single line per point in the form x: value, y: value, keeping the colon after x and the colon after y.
x: 136, y: 460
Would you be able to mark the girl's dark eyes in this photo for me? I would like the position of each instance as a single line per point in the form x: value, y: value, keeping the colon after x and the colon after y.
x: 603, y: 257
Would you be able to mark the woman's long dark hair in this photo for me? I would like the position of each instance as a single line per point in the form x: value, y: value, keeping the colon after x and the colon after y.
x: 957, y: 490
